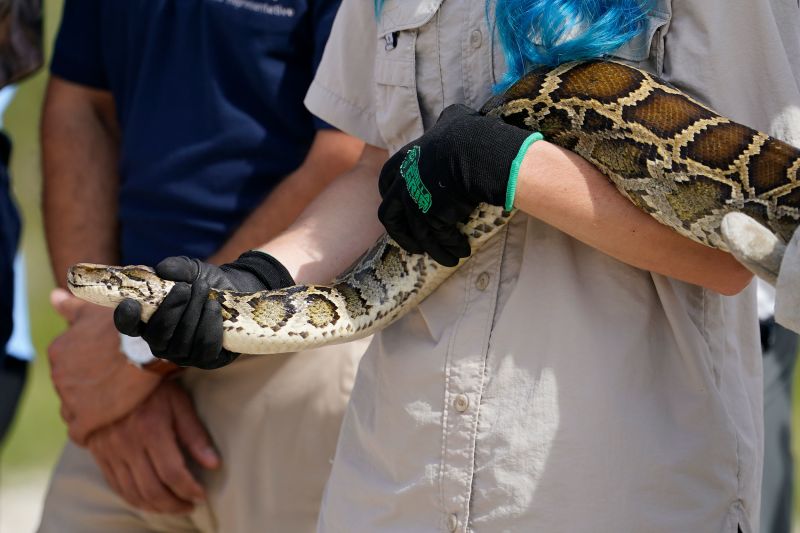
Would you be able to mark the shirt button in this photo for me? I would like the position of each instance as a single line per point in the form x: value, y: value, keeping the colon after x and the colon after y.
x: 452, y: 522
x: 476, y: 38
x: 461, y: 403
x: 483, y: 281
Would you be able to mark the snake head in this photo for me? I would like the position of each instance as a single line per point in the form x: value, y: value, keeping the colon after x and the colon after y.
x: 109, y: 285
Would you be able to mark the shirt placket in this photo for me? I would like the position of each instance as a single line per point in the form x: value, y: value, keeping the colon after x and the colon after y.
x: 465, y: 374
x: 476, y: 54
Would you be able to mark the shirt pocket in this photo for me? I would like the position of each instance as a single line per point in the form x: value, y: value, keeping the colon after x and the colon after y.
x: 646, y: 50
x: 398, y: 114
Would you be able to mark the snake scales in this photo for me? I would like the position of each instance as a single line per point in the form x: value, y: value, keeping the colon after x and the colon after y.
x: 671, y: 156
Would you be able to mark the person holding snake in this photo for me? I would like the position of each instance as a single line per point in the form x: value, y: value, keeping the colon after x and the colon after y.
x: 589, y: 369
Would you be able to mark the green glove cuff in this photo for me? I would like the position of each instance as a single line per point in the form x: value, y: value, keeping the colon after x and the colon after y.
x: 513, y: 176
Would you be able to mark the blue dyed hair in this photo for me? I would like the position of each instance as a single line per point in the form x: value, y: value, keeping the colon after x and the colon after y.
x: 536, y: 33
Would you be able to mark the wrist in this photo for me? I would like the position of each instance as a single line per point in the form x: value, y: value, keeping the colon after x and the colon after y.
x: 496, y: 149
x: 268, y: 270
x: 516, y: 165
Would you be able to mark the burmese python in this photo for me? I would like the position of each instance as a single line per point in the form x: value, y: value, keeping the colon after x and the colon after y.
x: 671, y: 156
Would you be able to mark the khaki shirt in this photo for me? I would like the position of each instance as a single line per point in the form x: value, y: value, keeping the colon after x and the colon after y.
x: 546, y: 386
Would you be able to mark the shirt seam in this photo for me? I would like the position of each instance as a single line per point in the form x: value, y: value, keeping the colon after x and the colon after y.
x: 466, y: 57
x: 487, y: 333
x: 439, y: 57
x: 446, y: 406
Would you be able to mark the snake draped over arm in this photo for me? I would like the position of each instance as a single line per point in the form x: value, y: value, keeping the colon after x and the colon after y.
x: 674, y: 158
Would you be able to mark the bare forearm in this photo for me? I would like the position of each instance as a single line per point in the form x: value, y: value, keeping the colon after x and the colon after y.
x: 79, y: 163
x: 338, y: 226
x: 563, y: 190
x: 331, y: 154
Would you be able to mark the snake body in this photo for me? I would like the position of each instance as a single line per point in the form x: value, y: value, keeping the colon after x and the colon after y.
x: 671, y: 156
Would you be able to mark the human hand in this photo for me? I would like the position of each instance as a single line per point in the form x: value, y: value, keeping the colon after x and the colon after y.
x: 433, y: 183
x: 187, y: 327
x: 142, y: 455
x: 93, y: 379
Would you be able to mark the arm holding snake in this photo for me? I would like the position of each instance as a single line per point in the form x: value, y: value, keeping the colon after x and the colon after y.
x: 555, y: 185
x: 563, y: 190
x: 676, y: 160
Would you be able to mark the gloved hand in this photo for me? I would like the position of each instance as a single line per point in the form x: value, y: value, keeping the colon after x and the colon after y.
x: 187, y: 327
x: 433, y: 183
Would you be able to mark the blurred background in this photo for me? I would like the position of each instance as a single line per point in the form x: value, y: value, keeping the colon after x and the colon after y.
x: 36, y: 438
x: 38, y: 433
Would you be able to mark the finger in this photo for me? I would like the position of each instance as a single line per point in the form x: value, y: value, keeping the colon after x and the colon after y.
x: 390, y: 173
x: 155, y: 493
x: 429, y: 241
x: 404, y: 237
x: 207, y: 345
x: 162, y: 324
x: 453, y: 212
x: 108, y: 474
x: 116, y: 472
x: 126, y: 486
x: 191, y: 432
x: 450, y: 115
x: 170, y: 466
x: 66, y: 414
x: 392, y: 214
x: 454, y: 112
x: 450, y: 238
x: 127, y: 318
x: 180, y: 344
x: 78, y: 433
x: 179, y: 268
x: 130, y: 488
x: 65, y: 304
x: 223, y: 358
x: 453, y: 242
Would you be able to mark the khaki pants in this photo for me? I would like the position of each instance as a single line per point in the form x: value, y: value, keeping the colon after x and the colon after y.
x: 275, y: 420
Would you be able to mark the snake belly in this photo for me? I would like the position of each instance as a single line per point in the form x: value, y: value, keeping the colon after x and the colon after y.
x: 671, y: 156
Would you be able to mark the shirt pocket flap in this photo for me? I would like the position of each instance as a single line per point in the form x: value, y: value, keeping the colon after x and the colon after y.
x: 398, y: 15
x: 639, y: 48
x: 394, y: 72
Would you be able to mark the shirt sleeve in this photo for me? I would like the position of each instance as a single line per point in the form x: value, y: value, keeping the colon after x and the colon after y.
x: 323, y: 13
x: 343, y: 91
x: 77, y: 55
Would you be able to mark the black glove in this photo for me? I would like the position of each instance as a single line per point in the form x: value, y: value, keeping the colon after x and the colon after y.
x: 187, y: 327
x: 435, y: 182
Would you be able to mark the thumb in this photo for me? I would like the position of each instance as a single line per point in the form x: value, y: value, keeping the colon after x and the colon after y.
x: 65, y: 304
x: 192, y: 433
x: 179, y: 268
x: 78, y: 434
x: 454, y: 112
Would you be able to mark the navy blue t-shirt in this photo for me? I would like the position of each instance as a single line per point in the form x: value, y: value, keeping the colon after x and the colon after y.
x: 209, y: 95
x: 9, y: 237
